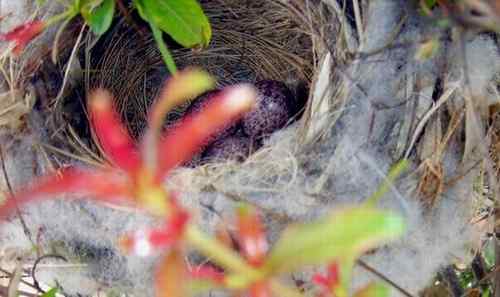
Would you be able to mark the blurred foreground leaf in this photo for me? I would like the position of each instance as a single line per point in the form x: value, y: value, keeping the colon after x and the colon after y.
x: 373, y: 290
x: 345, y: 233
x: 171, y: 276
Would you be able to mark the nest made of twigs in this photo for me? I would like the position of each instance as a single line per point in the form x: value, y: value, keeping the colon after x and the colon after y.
x: 252, y: 40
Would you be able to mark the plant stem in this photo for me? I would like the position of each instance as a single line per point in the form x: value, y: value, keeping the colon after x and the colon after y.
x: 222, y: 255
x: 70, y: 13
x: 393, y: 174
x: 165, y: 53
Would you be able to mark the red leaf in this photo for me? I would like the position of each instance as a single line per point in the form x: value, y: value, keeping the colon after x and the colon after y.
x: 171, y: 276
x: 105, y: 186
x: 321, y: 281
x: 143, y: 242
x: 208, y: 272
x: 329, y: 282
x: 113, y: 136
x: 251, y: 236
x: 333, y: 274
x: 260, y: 289
x: 23, y: 34
x: 183, y: 141
x: 174, y: 229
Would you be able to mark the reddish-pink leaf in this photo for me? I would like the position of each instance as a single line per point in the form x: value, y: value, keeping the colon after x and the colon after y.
x: 113, y: 136
x: 207, y: 272
x: 260, y: 289
x: 172, y: 232
x: 23, y: 34
x: 107, y: 186
x: 143, y: 242
x: 321, y: 281
x: 182, y: 142
x: 179, y: 88
x: 329, y: 282
x: 171, y: 276
x: 251, y: 236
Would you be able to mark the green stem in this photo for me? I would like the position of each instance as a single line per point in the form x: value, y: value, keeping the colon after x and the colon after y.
x: 394, y: 173
x: 165, y: 53
x: 68, y: 14
x: 218, y: 252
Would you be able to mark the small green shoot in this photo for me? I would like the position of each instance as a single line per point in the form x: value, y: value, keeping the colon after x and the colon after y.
x: 394, y: 173
x: 50, y: 293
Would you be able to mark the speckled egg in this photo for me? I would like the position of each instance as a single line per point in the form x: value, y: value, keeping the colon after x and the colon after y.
x: 273, y: 109
x: 235, y: 147
x: 200, y: 103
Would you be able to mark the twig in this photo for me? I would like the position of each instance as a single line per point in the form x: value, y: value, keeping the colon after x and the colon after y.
x: 70, y: 155
x: 375, y: 272
x: 35, y: 265
x: 359, y: 23
x: 421, y: 125
x: 68, y: 65
x: 26, y: 230
x: 8, y: 274
x: 15, y: 280
x: 4, y: 292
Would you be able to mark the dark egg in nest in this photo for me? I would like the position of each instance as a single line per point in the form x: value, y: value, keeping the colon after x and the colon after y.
x: 199, y: 104
x: 235, y: 147
x: 275, y: 106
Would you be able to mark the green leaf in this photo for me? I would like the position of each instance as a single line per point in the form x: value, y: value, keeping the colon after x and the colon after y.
x: 486, y: 293
x: 98, y: 14
x: 183, y: 20
x: 50, y: 293
x: 373, y: 290
x: 430, y: 3
x: 344, y: 234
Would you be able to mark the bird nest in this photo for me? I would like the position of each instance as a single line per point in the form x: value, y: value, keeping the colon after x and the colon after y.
x: 251, y: 41
x: 390, y: 105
